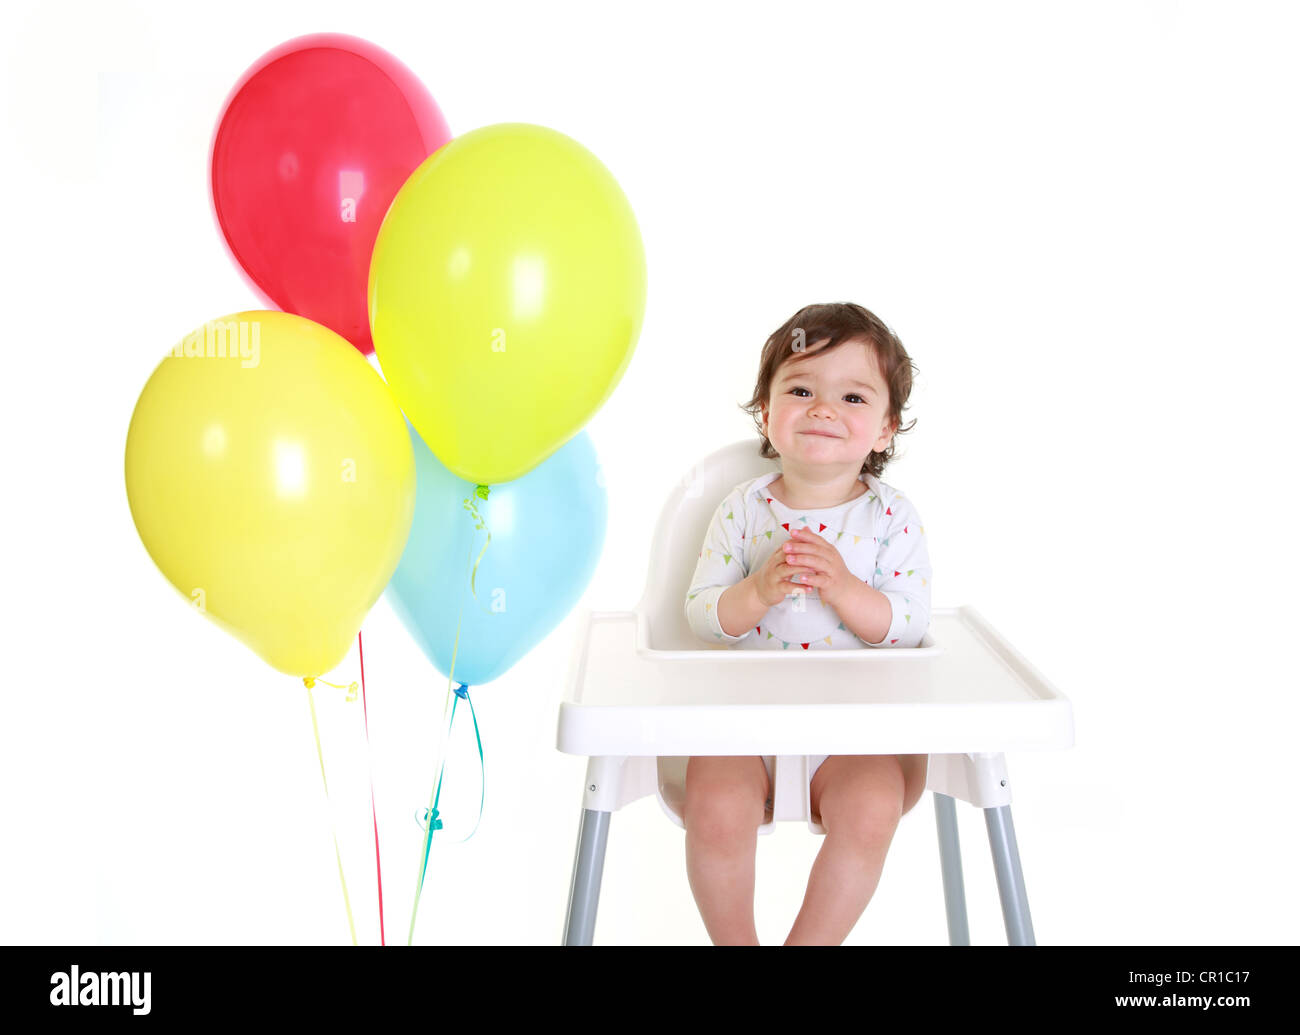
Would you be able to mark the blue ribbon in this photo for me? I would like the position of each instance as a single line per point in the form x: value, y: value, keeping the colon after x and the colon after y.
x: 422, y: 818
x: 429, y: 823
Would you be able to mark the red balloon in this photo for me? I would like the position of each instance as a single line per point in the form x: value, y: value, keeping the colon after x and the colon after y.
x: 311, y: 146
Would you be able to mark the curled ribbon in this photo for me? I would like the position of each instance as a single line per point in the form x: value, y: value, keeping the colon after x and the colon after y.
x: 351, y: 688
x: 422, y: 819
x: 480, y: 493
x: 422, y: 815
x: 460, y: 693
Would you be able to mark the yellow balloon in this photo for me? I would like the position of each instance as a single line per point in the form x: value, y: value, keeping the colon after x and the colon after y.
x: 507, y: 291
x: 271, y: 478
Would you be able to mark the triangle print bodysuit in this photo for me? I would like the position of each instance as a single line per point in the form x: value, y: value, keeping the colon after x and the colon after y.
x: 879, y: 535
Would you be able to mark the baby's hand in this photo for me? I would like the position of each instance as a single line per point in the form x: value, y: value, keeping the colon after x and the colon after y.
x: 773, y: 581
x: 831, y: 576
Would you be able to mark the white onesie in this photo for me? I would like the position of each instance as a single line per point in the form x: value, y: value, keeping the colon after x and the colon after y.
x: 879, y: 535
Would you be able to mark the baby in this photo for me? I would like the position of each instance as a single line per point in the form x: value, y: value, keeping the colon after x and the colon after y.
x: 822, y: 555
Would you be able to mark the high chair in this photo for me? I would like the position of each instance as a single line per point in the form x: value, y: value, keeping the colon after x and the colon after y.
x: 643, y: 694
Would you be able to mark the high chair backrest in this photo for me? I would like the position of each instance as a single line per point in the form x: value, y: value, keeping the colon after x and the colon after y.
x: 679, y: 533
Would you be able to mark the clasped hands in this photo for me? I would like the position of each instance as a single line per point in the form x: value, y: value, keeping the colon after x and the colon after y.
x: 806, y: 562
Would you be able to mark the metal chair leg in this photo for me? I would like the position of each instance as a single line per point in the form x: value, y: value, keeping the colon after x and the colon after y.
x: 954, y: 890
x: 1011, y: 881
x: 584, y: 890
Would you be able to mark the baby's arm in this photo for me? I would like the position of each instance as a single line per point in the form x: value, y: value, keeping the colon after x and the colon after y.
x: 903, y: 575
x: 721, y: 572
x: 739, y: 606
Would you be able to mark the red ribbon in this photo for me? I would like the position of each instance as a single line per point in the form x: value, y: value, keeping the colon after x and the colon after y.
x: 378, y: 874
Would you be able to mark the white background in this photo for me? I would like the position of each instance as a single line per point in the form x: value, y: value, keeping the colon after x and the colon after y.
x: 1080, y: 218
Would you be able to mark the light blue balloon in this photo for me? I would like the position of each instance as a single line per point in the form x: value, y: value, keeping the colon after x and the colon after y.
x: 548, y: 529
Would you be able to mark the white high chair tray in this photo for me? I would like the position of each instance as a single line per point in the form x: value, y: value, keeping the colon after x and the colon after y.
x: 927, y: 648
x: 965, y: 690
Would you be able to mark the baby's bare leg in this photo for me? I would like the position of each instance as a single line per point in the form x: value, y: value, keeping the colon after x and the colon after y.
x: 724, y: 807
x: 861, y: 802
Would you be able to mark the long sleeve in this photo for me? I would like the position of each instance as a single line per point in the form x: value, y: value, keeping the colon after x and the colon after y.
x: 903, y: 574
x: 721, y: 566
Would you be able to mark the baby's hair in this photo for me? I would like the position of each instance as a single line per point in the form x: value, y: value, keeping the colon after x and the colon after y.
x: 836, y: 323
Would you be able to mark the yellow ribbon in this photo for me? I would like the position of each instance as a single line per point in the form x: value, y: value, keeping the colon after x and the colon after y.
x: 309, y: 682
x: 480, y: 493
x: 351, y: 688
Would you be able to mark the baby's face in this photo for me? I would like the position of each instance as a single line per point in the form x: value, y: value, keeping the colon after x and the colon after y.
x: 830, y: 409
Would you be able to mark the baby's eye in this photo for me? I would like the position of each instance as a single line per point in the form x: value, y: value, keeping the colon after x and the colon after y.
x: 851, y: 395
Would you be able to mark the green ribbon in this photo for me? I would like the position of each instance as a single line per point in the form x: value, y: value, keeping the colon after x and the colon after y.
x: 480, y: 492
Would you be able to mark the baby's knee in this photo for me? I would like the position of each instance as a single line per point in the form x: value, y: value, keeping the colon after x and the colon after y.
x: 720, y: 807
x: 870, y: 815
x: 721, y: 820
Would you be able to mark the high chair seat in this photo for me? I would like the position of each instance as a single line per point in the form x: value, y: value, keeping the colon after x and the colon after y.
x: 643, y: 694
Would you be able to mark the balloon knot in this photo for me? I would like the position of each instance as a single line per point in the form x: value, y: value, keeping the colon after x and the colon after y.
x: 481, y: 492
x: 308, y: 682
x: 462, y: 692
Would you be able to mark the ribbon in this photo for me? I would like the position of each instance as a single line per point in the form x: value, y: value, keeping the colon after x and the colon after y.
x: 431, y: 821
x: 310, y: 682
x: 379, y: 877
x: 351, y: 688
x: 480, y: 493
x: 424, y: 816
